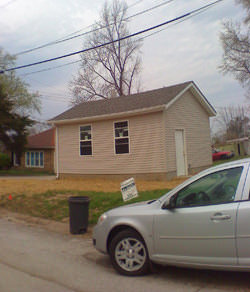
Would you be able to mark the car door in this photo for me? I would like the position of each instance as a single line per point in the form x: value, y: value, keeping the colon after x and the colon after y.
x: 200, y: 228
x: 243, y: 226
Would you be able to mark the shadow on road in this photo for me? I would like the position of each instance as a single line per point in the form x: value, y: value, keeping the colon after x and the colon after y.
x: 230, y: 281
x: 236, y: 281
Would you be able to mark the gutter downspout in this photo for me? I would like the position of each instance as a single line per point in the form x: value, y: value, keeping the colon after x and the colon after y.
x: 57, y: 154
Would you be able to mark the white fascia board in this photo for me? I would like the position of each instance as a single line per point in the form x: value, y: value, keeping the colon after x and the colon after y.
x: 109, y: 116
x: 199, y: 96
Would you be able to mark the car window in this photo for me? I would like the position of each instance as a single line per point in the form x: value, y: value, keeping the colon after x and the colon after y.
x: 215, y: 188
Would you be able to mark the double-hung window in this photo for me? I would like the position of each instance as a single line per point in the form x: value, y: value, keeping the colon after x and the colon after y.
x: 121, y: 137
x: 85, y: 140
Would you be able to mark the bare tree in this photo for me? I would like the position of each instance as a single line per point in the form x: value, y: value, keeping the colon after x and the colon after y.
x: 111, y: 70
x: 234, y: 122
x: 236, y: 45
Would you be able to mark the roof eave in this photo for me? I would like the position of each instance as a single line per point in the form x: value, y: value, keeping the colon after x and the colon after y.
x: 39, y: 147
x: 109, y: 116
x: 200, y: 97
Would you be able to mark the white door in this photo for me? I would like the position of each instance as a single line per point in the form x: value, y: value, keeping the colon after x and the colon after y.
x: 243, y: 227
x: 180, y: 153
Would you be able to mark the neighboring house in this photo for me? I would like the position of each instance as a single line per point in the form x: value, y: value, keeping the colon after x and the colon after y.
x: 40, y: 151
x: 157, y: 134
x: 241, y: 145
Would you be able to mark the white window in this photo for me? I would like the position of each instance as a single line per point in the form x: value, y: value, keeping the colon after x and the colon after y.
x: 85, y: 140
x: 121, y: 137
x: 34, y: 159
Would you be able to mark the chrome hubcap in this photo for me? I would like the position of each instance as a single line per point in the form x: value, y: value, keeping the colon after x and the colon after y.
x: 130, y: 254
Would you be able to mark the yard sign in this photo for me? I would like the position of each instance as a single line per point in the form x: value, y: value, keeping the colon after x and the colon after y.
x: 128, y: 189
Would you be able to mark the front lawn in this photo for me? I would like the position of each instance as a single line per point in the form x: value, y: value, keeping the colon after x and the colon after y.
x: 54, y: 204
x: 231, y: 159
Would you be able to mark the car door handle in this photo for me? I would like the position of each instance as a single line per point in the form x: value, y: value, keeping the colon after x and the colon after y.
x: 220, y: 217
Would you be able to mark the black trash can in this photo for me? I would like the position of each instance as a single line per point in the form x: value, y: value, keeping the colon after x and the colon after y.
x: 78, y: 214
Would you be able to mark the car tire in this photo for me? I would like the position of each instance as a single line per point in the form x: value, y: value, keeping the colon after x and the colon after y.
x: 128, y: 253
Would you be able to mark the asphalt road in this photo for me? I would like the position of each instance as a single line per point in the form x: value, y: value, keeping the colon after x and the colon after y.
x: 33, y: 259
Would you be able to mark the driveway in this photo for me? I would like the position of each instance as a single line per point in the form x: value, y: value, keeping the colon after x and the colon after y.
x: 35, y: 259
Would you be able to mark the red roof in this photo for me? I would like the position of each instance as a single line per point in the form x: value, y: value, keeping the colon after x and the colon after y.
x: 43, y: 140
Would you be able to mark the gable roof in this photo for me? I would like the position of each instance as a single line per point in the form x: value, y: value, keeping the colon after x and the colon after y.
x: 43, y: 140
x: 154, y: 99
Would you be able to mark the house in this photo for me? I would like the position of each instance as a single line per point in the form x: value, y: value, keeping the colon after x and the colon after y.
x: 156, y: 134
x: 241, y: 146
x: 40, y: 152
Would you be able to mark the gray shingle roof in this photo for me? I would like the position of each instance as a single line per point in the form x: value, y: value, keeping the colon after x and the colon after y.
x: 124, y: 103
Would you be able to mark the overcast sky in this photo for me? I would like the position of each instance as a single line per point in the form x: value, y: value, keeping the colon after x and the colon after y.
x: 186, y: 51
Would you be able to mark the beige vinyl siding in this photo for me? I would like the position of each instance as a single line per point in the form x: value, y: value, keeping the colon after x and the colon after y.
x: 145, y: 143
x: 188, y: 114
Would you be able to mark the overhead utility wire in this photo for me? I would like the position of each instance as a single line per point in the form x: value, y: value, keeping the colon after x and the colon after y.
x: 67, y: 37
x: 7, y: 4
x: 142, y: 38
x: 89, y: 26
x: 90, y: 31
x: 172, y: 24
x: 115, y: 41
x: 51, y: 68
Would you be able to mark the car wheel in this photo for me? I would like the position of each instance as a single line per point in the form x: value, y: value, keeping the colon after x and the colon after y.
x: 128, y: 253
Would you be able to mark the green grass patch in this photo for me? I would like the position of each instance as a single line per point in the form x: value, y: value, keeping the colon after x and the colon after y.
x: 217, y: 162
x: 26, y: 172
x: 54, y: 204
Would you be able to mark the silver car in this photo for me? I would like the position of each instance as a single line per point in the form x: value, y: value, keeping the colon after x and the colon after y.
x: 202, y: 223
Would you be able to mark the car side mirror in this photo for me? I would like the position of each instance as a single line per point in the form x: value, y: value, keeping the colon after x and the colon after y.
x: 170, y: 204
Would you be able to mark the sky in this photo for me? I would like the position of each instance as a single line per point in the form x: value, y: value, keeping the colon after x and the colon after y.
x: 189, y: 50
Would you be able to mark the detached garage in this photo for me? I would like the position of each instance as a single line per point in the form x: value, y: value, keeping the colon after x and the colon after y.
x: 156, y: 134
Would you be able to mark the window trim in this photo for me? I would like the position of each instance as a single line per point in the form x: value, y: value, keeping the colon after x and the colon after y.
x: 34, y: 166
x: 79, y: 133
x: 128, y: 137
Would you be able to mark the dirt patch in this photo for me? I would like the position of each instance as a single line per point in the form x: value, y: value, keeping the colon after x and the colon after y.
x: 33, y: 186
x: 50, y: 225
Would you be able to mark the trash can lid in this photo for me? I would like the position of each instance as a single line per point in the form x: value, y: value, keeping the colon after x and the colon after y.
x: 79, y: 199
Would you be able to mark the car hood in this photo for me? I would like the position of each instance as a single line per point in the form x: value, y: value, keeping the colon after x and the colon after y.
x: 131, y: 208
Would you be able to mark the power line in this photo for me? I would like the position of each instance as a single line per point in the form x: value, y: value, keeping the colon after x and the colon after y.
x: 57, y: 95
x: 50, y: 97
x: 45, y: 84
x: 54, y: 100
x: 172, y: 24
x: 142, y: 38
x: 90, y: 31
x: 89, y: 26
x: 7, y: 4
x: 115, y: 41
x: 50, y: 68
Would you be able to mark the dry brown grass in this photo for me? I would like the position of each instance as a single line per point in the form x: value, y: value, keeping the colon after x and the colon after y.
x: 33, y: 186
